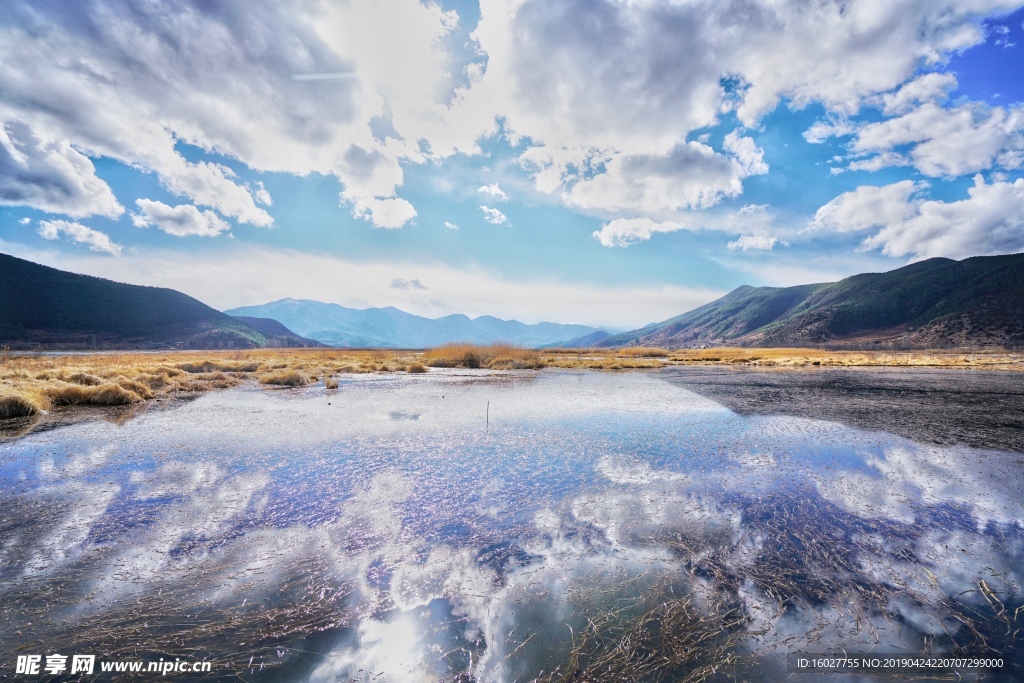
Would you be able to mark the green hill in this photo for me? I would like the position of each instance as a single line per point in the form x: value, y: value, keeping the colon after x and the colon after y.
x: 42, y: 307
x: 933, y: 303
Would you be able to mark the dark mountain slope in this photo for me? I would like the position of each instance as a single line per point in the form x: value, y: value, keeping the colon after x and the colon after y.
x: 46, y: 307
x: 277, y: 334
x: 936, y: 302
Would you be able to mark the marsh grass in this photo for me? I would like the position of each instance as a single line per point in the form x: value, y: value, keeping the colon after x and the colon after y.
x: 16, y: 405
x: 285, y: 378
x: 31, y: 384
x: 497, y: 356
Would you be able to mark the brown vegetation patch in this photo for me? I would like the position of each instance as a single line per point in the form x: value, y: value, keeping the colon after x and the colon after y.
x: 286, y: 378
x: 103, y: 395
x: 17, y: 406
x: 498, y: 356
x: 83, y: 378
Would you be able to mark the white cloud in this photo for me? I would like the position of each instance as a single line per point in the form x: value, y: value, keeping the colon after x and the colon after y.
x: 605, y: 95
x: 76, y: 232
x: 753, y: 242
x: 989, y: 221
x: 494, y: 216
x: 869, y: 207
x: 233, y: 275
x: 494, y: 191
x: 50, y: 175
x: 148, y: 78
x: 951, y: 141
x: 261, y: 195
x: 623, y: 232
x: 450, y: 226
x: 384, y: 213
x: 608, y: 92
x: 690, y: 176
x: 933, y: 87
x: 835, y: 126
x: 181, y: 221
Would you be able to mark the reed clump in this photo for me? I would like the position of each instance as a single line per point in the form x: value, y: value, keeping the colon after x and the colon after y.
x: 416, y: 368
x: 498, y: 356
x: 285, y: 378
x: 102, y: 395
x: 643, y: 352
x: 16, y: 405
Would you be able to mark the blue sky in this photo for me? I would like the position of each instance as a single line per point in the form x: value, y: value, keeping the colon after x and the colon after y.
x: 587, y: 161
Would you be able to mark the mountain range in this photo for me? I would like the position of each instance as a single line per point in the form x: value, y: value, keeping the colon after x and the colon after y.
x: 42, y: 307
x: 392, y: 328
x: 931, y: 303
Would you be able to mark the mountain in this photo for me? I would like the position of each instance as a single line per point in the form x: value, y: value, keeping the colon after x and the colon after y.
x: 389, y: 327
x: 932, y: 303
x: 278, y: 336
x: 42, y: 307
x: 586, y: 341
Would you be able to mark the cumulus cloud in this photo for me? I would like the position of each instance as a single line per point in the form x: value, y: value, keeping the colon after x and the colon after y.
x: 494, y: 191
x: 933, y: 87
x: 691, y: 175
x: 869, y: 206
x: 608, y: 92
x: 76, y: 232
x: 753, y: 242
x: 384, y: 213
x: 989, y: 221
x: 450, y: 226
x: 50, y: 175
x: 219, y: 77
x: 604, y: 95
x: 951, y: 141
x: 623, y: 232
x: 494, y: 216
x: 934, y: 139
x: 181, y: 221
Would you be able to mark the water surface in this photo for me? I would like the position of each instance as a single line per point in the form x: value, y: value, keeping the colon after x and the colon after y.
x: 563, y: 526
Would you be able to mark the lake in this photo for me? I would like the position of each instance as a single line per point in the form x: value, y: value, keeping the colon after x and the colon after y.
x: 690, y: 524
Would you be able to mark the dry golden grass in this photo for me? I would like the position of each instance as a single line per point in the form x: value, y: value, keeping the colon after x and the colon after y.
x: 498, y: 356
x: 643, y: 352
x: 33, y: 383
x: 284, y: 378
x: 16, y: 405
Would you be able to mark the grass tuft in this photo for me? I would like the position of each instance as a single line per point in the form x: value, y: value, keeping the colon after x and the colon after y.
x: 497, y: 356
x: 416, y: 368
x: 84, y: 379
x: 643, y: 352
x: 103, y: 395
x: 285, y: 378
x: 15, y: 405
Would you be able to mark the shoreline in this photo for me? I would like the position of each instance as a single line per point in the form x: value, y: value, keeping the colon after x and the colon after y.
x: 31, y: 384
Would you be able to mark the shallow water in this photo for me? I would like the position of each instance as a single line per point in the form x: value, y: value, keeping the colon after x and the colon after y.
x: 506, y: 527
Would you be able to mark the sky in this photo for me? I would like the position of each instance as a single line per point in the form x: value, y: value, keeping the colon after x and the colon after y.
x: 606, y: 162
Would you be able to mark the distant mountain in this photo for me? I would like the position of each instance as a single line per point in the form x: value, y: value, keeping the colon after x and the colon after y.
x: 932, y: 303
x: 389, y: 327
x: 278, y: 336
x: 42, y: 307
x: 586, y: 341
